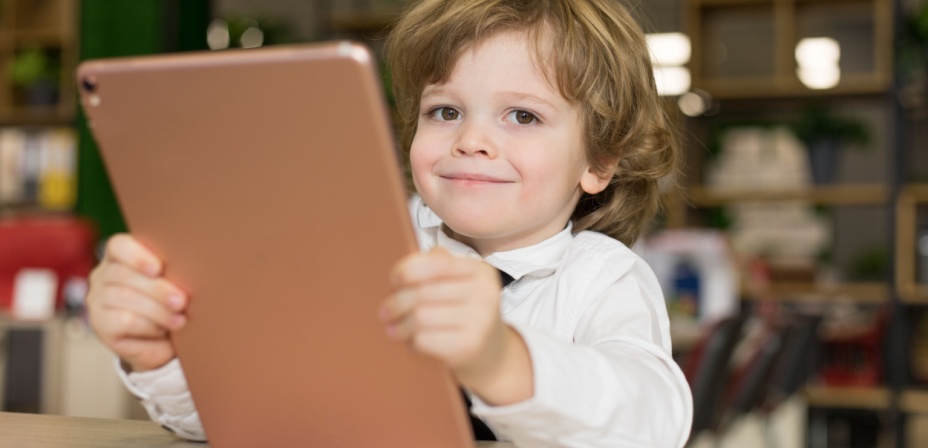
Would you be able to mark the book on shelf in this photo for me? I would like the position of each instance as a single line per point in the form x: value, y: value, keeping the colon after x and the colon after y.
x: 38, y: 167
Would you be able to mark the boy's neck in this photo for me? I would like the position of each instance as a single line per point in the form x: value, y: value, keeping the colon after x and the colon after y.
x: 487, y: 247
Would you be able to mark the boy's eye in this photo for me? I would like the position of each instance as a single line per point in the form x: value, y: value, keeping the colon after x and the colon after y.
x: 523, y: 117
x: 445, y: 113
x: 449, y: 114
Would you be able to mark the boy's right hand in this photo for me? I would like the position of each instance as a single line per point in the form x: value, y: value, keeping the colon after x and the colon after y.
x: 132, y: 307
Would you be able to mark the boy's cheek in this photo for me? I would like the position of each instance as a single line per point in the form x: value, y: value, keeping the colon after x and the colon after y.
x: 418, y: 159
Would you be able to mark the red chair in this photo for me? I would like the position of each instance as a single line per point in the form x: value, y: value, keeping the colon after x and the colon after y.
x: 63, y: 244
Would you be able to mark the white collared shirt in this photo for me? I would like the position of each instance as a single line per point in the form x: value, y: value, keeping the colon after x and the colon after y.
x: 593, y: 318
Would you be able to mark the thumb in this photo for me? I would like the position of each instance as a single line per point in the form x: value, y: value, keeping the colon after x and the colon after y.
x: 438, y: 250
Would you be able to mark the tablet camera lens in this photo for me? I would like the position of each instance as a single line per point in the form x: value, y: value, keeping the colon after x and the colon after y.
x: 89, y: 84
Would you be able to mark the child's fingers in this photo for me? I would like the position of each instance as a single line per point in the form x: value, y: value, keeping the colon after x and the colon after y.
x: 114, y: 326
x: 440, y: 293
x: 402, y: 329
x: 449, y: 346
x: 440, y: 318
x: 120, y: 275
x: 135, y: 348
x: 398, y: 305
x: 134, y: 338
x: 144, y: 354
x: 129, y: 299
x: 442, y: 334
x: 127, y: 250
x: 436, y: 264
x: 432, y: 317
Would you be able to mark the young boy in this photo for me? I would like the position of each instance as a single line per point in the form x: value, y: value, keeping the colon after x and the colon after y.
x: 536, y: 142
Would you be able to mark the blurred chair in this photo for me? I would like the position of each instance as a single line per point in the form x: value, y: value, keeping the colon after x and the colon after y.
x: 707, y: 368
x: 769, y: 362
x: 751, y: 381
x: 779, y: 367
x: 795, y: 364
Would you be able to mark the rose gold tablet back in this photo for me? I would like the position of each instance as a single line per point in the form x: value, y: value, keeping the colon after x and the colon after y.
x: 268, y: 182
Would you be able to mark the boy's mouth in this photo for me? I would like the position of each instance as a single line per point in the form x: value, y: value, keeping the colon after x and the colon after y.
x: 474, y: 177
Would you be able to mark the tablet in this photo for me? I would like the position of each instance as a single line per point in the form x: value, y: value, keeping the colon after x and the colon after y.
x: 269, y: 183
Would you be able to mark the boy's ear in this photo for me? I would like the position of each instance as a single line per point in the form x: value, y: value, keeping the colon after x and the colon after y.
x: 594, y: 181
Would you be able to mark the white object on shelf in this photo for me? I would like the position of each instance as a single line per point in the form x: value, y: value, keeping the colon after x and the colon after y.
x: 709, y: 253
x: 787, y: 233
x: 34, y: 292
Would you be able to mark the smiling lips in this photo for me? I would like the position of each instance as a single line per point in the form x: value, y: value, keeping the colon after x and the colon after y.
x: 473, y: 178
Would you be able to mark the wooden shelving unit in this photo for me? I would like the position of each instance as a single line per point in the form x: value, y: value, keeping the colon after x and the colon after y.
x: 49, y: 25
x: 914, y: 401
x: 825, y: 195
x: 862, y: 293
x: 744, y: 58
x: 911, y: 196
x: 359, y: 21
x: 777, y: 27
x: 38, y: 54
x: 874, y: 398
x: 918, y: 295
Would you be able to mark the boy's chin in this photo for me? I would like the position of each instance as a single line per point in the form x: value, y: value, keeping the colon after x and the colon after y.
x: 470, y: 231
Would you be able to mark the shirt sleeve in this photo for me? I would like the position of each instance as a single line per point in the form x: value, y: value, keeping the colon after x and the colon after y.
x: 164, y: 394
x: 614, y: 385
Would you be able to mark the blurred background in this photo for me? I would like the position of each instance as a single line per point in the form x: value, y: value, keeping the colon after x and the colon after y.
x: 793, y: 255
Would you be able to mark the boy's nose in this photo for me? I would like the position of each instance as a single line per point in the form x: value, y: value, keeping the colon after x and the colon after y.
x: 472, y: 141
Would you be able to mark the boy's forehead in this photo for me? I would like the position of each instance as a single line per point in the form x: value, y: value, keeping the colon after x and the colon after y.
x: 536, y: 44
x: 537, y: 40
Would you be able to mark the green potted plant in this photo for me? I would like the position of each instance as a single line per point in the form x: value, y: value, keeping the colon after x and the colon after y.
x: 35, y: 74
x: 825, y: 134
x: 912, y: 47
x: 912, y: 57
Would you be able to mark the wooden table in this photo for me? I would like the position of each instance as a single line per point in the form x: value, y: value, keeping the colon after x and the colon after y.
x: 52, y: 431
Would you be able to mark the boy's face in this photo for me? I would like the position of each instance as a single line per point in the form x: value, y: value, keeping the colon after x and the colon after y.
x: 498, y: 153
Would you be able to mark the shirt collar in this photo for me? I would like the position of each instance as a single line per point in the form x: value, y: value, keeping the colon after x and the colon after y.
x: 538, y: 260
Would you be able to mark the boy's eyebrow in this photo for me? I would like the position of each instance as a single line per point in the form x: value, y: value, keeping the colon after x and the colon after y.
x: 519, y: 96
x: 429, y: 92
x: 529, y: 97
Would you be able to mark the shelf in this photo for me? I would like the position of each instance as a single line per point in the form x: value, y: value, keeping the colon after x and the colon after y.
x: 914, y: 294
x: 361, y: 21
x: 50, y: 37
x: 15, y: 211
x: 910, y: 196
x: 866, y: 194
x: 914, y: 400
x: 52, y: 116
x: 864, y: 293
x: 918, y: 192
x: 766, y: 88
x: 876, y: 398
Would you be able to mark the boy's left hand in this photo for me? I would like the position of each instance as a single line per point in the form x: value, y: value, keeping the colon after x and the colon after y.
x: 449, y: 307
